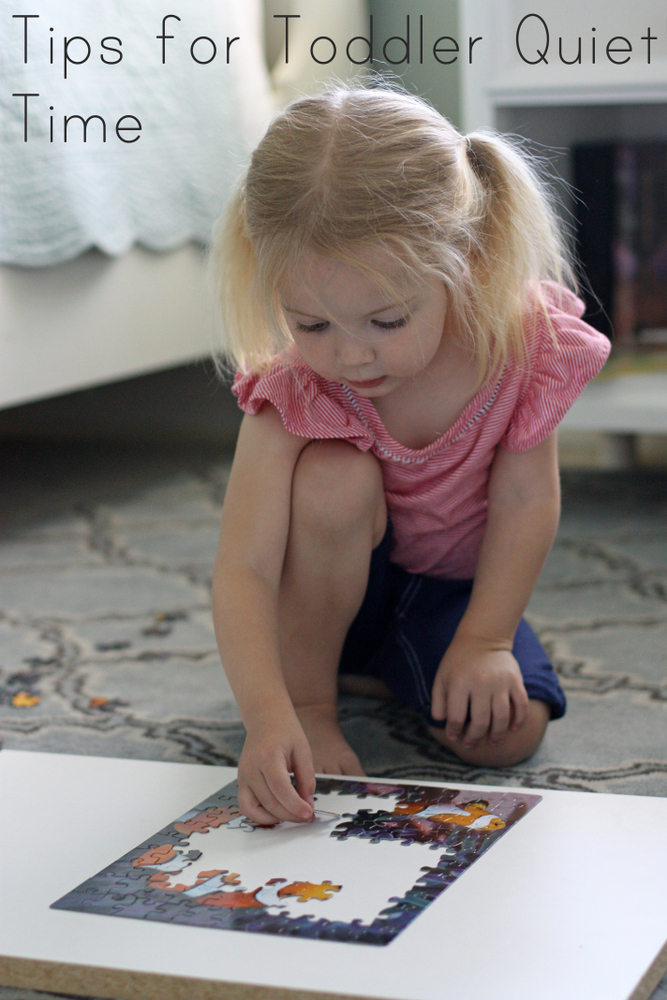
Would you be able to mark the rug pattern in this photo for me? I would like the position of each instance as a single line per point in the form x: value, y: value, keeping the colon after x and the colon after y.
x: 107, y: 644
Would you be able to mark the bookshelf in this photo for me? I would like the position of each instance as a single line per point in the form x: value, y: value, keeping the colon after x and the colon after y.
x: 510, y: 33
x: 561, y: 106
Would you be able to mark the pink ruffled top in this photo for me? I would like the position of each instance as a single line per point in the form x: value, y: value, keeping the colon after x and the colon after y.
x: 437, y: 495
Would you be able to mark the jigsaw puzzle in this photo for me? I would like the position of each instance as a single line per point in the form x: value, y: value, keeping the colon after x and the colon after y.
x: 345, y: 877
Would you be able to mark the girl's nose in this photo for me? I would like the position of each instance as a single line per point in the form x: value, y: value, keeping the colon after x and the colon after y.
x: 353, y: 352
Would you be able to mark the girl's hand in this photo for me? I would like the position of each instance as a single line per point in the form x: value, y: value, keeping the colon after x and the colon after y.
x: 273, y: 748
x: 482, y: 679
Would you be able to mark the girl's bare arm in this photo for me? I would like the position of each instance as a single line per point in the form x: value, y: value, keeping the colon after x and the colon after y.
x: 524, y: 507
x: 523, y: 513
x: 253, y: 540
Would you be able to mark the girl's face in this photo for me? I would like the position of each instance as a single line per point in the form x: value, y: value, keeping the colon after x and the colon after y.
x: 349, y: 331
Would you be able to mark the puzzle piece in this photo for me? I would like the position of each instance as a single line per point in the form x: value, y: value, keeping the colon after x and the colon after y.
x: 377, y: 826
x: 380, y: 790
x: 133, y: 874
x: 305, y: 891
x: 159, y: 628
x: 209, y: 819
x: 474, y: 814
x: 167, y: 907
x: 24, y: 699
x: 167, y: 858
x: 156, y: 856
x: 361, y: 789
x: 206, y: 882
x: 232, y: 900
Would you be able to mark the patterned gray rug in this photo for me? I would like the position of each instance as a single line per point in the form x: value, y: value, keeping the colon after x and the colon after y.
x: 107, y: 645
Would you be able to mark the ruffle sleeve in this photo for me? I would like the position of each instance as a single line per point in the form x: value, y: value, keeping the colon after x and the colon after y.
x: 560, y: 365
x: 309, y: 405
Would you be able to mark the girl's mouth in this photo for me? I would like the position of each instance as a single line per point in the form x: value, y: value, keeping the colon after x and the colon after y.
x: 369, y: 384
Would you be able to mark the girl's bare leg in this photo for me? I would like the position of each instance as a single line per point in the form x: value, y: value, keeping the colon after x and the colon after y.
x: 338, y: 517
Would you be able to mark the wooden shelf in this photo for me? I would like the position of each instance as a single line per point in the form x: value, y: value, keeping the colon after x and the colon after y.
x: 529, y: 86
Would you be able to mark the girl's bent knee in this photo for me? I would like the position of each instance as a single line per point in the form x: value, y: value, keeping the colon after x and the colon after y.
x: 336, y: 484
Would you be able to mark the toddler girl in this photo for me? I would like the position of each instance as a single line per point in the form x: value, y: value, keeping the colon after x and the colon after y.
x: 394, y: 298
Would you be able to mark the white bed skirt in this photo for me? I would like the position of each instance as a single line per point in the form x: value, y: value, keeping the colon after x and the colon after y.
x: 96, y: 319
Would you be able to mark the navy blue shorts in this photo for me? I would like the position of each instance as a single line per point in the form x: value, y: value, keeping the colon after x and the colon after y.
x: 406, y: 623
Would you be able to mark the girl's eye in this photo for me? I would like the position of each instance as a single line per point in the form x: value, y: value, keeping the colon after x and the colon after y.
x: 392, y: 324
x: 312, y: 327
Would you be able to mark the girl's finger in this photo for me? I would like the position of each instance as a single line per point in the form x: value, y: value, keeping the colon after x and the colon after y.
x: 270, y: 802
x: 439, y: 701
x: 520, y: 705
x: 252, y: 808
x: 285, y: 800
x: 267, y: 807
x: 501, y: 714
x: 457, y: 713
x: 304, y: 774
x: 480, y: 720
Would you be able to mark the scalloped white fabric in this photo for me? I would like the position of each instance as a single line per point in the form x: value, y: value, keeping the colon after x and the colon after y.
x: 59, y: 199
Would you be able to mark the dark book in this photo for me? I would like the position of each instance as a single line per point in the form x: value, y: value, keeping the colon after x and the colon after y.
x: 622, y: 238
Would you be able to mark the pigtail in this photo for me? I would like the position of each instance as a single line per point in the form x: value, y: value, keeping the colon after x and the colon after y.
x: 518, y: 243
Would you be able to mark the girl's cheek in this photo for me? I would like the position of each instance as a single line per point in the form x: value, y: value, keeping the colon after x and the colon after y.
x: 312, y: 355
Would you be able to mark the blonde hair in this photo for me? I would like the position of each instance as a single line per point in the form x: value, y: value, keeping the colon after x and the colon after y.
x: 348, y: 169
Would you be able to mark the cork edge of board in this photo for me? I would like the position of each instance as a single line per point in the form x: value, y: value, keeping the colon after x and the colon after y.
x: 651, y: 977
x: 126, y: 984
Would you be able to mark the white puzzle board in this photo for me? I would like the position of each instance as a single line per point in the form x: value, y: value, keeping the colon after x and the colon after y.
x: 572, y: 901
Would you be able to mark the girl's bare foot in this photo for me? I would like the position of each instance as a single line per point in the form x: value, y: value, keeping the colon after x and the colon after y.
x: 331, y: 752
